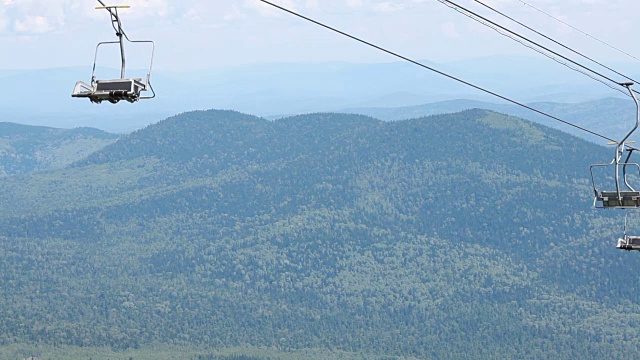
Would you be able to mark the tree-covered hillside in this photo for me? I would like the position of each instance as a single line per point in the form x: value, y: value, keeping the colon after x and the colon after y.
x: 467, y: 235
x: 25, y: 149
x: 611, y: 116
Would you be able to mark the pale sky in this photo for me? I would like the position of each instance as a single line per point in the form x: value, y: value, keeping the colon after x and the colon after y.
x: 193, y: 34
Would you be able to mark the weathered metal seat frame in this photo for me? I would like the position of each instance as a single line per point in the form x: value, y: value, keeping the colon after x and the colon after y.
x: 628, y: 242
x: 616, y: 199
x: 629, y: 197
x: 114, y: 90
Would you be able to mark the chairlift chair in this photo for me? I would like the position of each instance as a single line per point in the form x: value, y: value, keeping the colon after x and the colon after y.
x: 628, y: 242
x: 626, y: 197
x: 114, y: 90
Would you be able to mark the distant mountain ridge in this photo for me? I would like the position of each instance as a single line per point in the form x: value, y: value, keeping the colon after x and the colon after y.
x: 288, y: 88
x: 26, y: 149
x: 611, y: 117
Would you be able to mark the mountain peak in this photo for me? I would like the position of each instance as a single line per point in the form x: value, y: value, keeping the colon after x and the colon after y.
x: 185, y: 136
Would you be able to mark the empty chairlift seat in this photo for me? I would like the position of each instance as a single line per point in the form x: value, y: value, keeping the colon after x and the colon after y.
x: 124, y: 88
x: 610, y: 199
x: 625, y: 173
x: 629, y: 242
x: 110, y: 90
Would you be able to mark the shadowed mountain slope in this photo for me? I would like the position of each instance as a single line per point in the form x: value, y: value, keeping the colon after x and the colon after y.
x: 25, y: 149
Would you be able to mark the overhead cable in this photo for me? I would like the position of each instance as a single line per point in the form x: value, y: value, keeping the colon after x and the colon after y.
x: 531, y: 45
x: 554, y: 41
x: 580, y: 31
x: 436, y: 70
x: 531, y: 41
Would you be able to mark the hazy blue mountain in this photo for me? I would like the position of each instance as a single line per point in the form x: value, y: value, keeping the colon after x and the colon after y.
x: 275, y: 89
x: 25, y: 149
x: 332, y: 232
x: 436, y: 108
x: 43, y: 98
x: 612, y: 117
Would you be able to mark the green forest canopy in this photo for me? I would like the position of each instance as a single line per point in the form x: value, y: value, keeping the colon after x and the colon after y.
x: 467, y: 235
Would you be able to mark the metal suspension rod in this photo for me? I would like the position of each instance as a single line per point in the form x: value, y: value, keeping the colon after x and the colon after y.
x: 635, y: 99
x: 624, y: 170
x: 116, y: 19
x: 620, y: 146
x: 117, y: 26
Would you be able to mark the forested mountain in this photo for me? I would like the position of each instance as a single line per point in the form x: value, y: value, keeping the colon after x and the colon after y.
x: 468, y: 235
x: 613, y: 117
x: 25, y: 149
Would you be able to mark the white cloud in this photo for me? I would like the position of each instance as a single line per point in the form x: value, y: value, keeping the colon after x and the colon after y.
x: 245, y: 23
x: 41, y: 16
x: 143, y: 8
x: 201, y: 13
x: 34, y: 16
x: 33, y: 25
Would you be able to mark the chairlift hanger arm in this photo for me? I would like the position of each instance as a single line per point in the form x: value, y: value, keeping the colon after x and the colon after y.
x: 113, y: 7
x: 622, y: 143
x: 624, y: 171
x: 115, y: 18
x: 635, y: 99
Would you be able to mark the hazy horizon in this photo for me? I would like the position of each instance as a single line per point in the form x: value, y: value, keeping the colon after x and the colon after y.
x: 247, y: 56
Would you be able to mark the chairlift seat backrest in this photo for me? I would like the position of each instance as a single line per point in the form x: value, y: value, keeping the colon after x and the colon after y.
x: 110, y: 90
x: 130, y: 85
x: 629, y: 242
x: 633, y: 240
x: 627, y: 200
